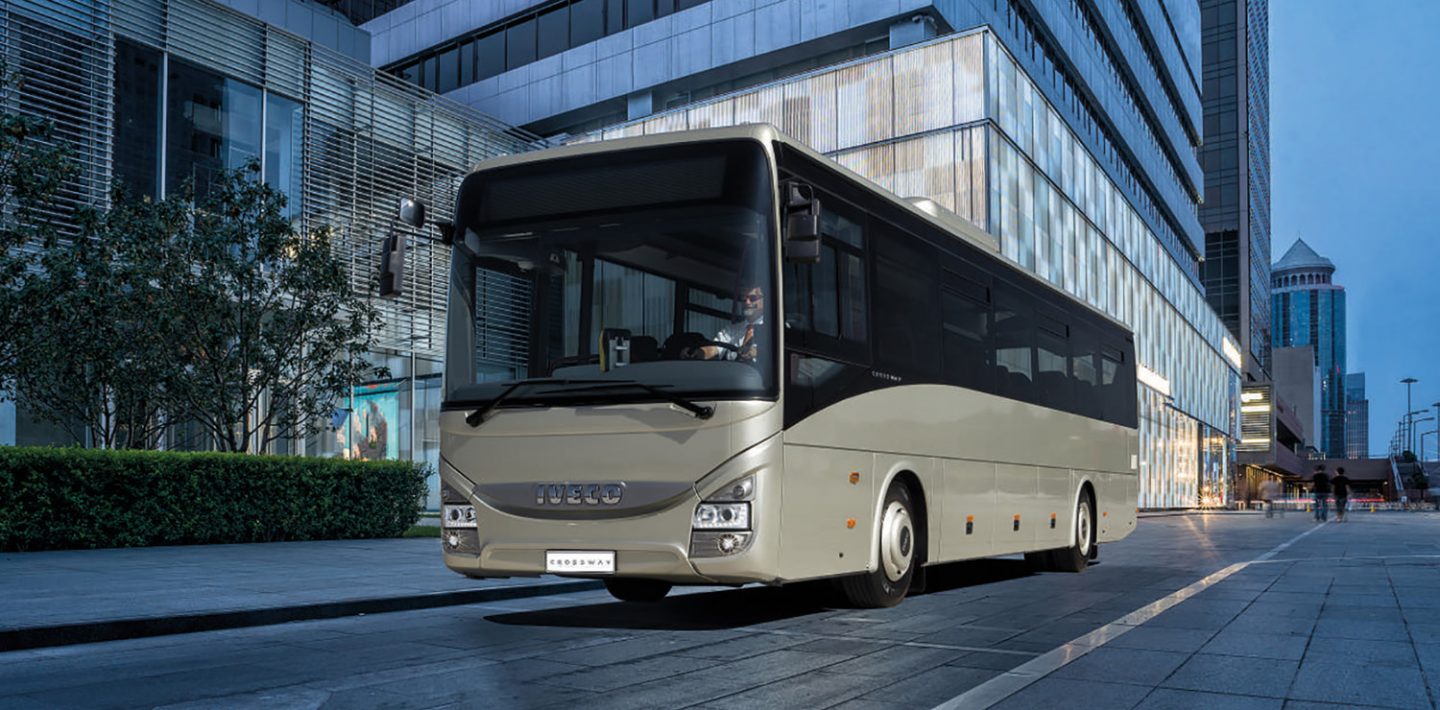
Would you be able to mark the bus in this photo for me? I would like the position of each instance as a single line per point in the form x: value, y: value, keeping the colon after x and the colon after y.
x: 715, y: 357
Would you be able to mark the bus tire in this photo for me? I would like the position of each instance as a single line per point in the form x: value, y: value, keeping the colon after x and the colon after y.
x: 637, y: 590
x: 1077, y: 556
x: 899, y: 544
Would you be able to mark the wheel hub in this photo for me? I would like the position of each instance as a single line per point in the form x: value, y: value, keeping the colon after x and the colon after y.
x: 1082, y: 529
x: 896, y: 541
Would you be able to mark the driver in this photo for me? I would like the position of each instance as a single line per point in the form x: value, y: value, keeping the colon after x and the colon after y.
x: 740, y: 335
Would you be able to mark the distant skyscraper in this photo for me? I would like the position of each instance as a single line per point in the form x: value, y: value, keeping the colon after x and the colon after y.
x: 1357, y: 417
x: 1308, y: 309
x: 1236, y: 159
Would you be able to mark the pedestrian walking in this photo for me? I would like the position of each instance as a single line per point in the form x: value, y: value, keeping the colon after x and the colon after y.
x: 1341, y: 484
x: 1321, y: 486
x: 1270, y: 495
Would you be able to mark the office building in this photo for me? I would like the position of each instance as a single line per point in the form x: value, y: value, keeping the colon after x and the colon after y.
x: 1308, y: 308
x: 1067, y: 130
x: 156, y: 92
x: 1236, y: 160
x: 1357, y: 417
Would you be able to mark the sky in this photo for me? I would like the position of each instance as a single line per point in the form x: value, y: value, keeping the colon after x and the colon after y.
x: 1355, y: 170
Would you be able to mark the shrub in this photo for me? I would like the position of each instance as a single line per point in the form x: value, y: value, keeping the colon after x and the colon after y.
x: 58, y: 498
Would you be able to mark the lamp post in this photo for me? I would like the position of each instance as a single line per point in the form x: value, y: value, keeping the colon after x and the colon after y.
x: 1409, y: 433
x: 1421, y: 453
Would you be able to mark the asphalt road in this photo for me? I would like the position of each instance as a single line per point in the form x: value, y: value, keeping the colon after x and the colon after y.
x: 1343, y: 614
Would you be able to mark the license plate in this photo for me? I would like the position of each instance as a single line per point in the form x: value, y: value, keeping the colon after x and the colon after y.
x: 580, y: 562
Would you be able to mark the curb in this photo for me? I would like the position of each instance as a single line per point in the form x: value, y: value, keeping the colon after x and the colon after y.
x: 143, y: 627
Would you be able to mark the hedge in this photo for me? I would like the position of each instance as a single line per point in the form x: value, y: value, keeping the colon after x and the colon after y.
x: 59, y: 498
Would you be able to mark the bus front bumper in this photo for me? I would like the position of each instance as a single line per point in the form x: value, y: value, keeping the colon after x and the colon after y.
x: 659, y: 545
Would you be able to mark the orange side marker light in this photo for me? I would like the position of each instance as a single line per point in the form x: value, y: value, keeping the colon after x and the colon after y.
x: 854, y: 477
x: 850, y: 524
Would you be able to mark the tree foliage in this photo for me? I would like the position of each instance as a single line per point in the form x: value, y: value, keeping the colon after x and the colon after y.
x: 34, y: 166
x: 99, y: 349
x: 272, y: 332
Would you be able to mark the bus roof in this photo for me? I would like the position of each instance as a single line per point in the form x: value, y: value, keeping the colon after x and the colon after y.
x: 766, y: 133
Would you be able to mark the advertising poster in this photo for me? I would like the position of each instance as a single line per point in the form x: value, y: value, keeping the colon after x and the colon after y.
x: 374, y: 429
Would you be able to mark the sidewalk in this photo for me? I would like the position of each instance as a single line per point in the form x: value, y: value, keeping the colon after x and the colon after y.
x: 81, y: 596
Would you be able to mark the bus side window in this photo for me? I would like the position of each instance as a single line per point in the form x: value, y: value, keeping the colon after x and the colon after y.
x: 965, y: 319
x: 1086, y: 377
x: 825, y: 303
x: 1113, y: 394
x: 907, y: 324
x: 1052, y: 373
x: 1014, y: 329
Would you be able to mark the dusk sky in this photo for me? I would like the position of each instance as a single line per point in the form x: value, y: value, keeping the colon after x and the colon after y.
x: 1355, y: 153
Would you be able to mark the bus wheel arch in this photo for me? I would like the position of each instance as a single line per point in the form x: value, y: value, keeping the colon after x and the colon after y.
x: 898, y: 546
x: 1085, y: 523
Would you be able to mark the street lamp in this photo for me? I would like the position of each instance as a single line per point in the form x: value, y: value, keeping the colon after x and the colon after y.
x: 1409, y: 433
x: 1421, y: 453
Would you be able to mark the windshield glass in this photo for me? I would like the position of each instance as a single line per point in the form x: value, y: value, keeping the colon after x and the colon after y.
x: 615, y: 277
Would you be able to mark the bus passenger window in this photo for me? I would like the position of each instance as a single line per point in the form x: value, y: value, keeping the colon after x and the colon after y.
x: 1052, y: 377
x: 967, y: 330
x: 1013, y: 335
x: 1113, y: 395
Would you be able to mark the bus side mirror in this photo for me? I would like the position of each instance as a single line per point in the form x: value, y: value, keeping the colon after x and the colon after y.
x: 392, y: 265
x: 802, y: 225
x: 614, y: 348
x: 412, y: 212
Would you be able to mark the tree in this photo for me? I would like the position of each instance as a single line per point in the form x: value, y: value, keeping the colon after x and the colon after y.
x: 268, y: 329
x: 98, y: 352
x: 34, y: 166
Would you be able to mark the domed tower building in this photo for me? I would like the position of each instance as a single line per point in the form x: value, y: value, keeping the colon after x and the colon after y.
x: 1308, y: 308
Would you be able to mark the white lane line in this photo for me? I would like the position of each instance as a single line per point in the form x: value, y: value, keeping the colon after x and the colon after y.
x: 1006, y: 684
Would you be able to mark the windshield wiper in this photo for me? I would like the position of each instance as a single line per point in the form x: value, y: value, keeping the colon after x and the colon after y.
x: 477, y: 417
x: 700, y: 411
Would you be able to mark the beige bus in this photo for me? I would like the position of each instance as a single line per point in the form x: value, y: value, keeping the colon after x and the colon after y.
x: 715, y: 357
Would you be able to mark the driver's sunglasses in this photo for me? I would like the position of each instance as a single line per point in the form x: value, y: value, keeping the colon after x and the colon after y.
x: 747, y: 298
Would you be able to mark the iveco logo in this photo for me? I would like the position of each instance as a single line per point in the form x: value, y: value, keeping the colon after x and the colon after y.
x: 578, y: 493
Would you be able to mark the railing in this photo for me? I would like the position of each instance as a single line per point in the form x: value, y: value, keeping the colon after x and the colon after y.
x: 1399, y: 481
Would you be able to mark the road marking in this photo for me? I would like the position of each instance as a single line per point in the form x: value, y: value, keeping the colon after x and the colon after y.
x: 1013, y: 681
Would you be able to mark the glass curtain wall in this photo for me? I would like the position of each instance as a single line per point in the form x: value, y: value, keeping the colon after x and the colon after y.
x: 978, y: 138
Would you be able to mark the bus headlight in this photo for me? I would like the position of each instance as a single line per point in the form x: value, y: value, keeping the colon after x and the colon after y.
x: 722, y: 516
x: 457, y: 516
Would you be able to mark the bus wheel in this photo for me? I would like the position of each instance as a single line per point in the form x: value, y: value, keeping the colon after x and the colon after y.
x: 637, y: 590
x: 1075, y: 557
x: 899, y: 544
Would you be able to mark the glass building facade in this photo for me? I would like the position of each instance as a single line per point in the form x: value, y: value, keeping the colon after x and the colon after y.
x: 1236, y: 159
x: 1357, y: 417
x: 956, y: 121
x: 1309, y: 309
x: 157, y: 92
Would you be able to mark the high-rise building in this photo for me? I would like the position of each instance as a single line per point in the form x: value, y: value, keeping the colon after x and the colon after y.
x: 1357, y: 417
x: 157, y: 92
x: 1236, y: 159
x: 1308, y: 308
x: 1067, y: 129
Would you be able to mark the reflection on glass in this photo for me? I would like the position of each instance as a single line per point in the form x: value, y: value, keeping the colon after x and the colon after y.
x: 137, y: 117
x: 284, y: 140
x: 213, y: 123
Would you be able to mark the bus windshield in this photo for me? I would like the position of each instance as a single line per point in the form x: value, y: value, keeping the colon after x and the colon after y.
x: 634, y: 276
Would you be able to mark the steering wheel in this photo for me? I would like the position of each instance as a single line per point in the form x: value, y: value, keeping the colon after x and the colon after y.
x: 725, y: 346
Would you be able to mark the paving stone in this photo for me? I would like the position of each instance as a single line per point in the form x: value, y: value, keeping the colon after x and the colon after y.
x: 1362, y: 630
x: 1264, y: 677
x: 1163, y: 639
x: 1256, y: 643
x: 1346, y: 682
x: 1169, y: 699
x: 1063, y: 693
x: 1382, y: 653
x: 1123, y: 665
